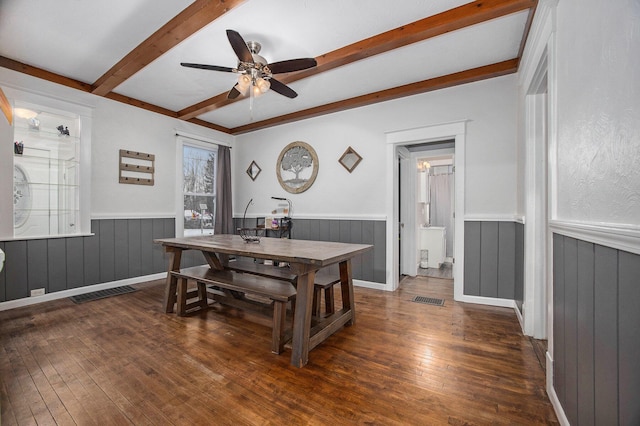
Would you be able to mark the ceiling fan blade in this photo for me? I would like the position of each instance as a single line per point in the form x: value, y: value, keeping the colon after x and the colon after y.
x: 239, y: 46
x: 233, y: 93
x: 292, y: 65
x: 282, y: 88
x: 207, y: 67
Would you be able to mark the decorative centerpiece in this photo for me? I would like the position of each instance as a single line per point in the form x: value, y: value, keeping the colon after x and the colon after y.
x: 249, y: 235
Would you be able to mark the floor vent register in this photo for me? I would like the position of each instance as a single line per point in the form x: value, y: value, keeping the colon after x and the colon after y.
x: 101, y: 294
x: 429, y: 300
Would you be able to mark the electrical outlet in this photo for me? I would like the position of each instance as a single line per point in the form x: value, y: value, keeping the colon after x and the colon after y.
x: 37, y: 292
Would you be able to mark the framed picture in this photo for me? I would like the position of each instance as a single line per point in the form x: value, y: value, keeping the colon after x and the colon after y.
x: 350, y: 159
x: 253, y: 170
x: 297, y: 167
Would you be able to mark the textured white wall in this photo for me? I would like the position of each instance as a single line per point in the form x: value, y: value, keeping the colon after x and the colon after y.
x: 598, y: 50
x: 491, y: 175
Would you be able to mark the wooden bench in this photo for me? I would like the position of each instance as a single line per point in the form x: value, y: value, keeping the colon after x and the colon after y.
x: 325, y: 279
x: 279, y: 292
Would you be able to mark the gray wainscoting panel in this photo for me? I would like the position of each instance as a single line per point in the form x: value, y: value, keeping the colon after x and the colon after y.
x: 494, y: 259
x: 119, y: 249
x: 92, y: 255
x: 37, y: 265
x: 570, y: 328
x: 472, y: 237
x: 16, y: 267
x: 370, y: 266
x: 507, y: 260
x: 3, y: 278
x: 585, y: 343
x: 146, y: 250
x: 489, y: 259
x: 629, y: 337
x: 558, y: 319
x: 596, y: 332
x: 107, y: 250
x: 57, y: 261
x: 519, y: 266
x: 134, y: 244
x: 75, y: 262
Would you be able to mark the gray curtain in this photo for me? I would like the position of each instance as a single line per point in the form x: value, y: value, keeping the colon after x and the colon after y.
x: 441, y: 206
x: 224, y: 211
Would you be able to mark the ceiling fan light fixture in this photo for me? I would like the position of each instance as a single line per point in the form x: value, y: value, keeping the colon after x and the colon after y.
x: 244, y: 81
x: 254, y: 71
x: 263, y: 85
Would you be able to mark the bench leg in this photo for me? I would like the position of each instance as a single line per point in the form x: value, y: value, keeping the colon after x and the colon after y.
x: 182, y: 297
x: 202, y: 295
x: 328, y: 300
x: 317, y: 297
x: 279, y: 317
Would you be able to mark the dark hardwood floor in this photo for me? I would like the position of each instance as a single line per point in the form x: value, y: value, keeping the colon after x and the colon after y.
x: 120, y: 361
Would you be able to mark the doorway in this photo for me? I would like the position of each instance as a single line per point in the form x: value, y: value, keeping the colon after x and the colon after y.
x: 435, y: 205
x: 455, y: 133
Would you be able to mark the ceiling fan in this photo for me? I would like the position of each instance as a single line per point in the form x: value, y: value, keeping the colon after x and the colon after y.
x: 255, y: 73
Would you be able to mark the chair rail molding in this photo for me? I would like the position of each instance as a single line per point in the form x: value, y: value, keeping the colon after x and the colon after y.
x: 621, y: 237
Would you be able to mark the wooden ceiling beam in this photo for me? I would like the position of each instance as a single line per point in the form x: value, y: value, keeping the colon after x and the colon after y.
x: 193, y: 18
x: 468, y: 76
x: 43, y: 74
x: 454, y: 19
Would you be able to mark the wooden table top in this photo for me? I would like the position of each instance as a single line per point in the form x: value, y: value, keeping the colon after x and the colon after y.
x: 319, y: 253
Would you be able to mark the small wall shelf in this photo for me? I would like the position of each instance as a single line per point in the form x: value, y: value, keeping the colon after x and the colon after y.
x: 140, y: 171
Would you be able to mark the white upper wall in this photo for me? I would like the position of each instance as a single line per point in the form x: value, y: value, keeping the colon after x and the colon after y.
x: 598, y: 95
x: 490, y: 106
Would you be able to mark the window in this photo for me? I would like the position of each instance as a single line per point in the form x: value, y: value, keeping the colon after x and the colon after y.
x: 46, y: 172
x: 198, y: 188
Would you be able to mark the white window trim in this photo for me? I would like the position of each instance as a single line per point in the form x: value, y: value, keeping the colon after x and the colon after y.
x: 181, y: 140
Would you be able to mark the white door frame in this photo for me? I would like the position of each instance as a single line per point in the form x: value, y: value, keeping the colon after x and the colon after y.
x: 536, y: 205
x: 457, y: 131
x: 406, y: 215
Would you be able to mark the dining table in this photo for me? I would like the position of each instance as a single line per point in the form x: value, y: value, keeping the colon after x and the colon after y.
x: 303, y: 257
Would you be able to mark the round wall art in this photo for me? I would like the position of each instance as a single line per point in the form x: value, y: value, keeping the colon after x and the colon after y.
x: 297, y: 167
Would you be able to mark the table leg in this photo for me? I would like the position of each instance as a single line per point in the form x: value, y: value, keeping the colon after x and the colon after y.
x: 175, y: 256
x: 346, y: 285
x: 302, y: 317
x: 214, y: 262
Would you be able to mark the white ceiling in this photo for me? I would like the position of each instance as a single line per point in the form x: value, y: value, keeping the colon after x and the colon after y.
x: 82, y: 40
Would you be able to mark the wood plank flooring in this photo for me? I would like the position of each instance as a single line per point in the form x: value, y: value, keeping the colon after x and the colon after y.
x: 121, y: 361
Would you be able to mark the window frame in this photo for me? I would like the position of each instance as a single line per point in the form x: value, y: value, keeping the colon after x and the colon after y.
x: 181, y: 141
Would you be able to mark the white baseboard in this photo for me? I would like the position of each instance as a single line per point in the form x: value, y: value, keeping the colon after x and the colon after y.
x: 11, y: 304
x: 492, y: 301
x: 551, y: 392
x: 519, y: 315
x: 369, y: 284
